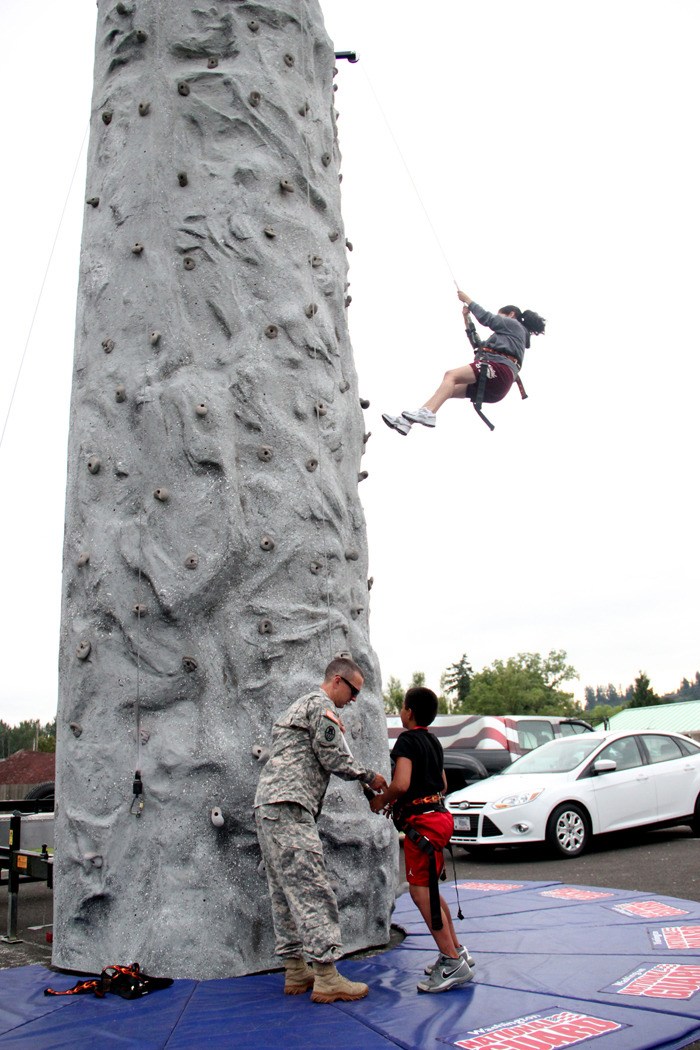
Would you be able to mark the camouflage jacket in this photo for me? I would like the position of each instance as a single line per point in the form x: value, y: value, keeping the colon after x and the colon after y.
x: 307, y: 746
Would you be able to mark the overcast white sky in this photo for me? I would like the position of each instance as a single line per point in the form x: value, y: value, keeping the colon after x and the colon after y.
x: 553, y: 146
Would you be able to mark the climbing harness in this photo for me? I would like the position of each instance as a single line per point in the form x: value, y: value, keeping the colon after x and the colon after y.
x: 401, y: 816
x: 478, y: 399
x: 129, y: 982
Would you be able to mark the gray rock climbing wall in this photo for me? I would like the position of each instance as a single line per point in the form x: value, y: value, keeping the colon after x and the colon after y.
x: 215, y: 551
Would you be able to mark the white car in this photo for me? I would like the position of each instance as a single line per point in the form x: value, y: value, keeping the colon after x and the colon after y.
x: 575, y: 787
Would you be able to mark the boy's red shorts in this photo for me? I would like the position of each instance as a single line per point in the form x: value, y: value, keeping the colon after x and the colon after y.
x: 437, y: 827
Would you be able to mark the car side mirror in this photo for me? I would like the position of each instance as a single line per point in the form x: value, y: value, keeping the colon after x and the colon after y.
x: 604, y: 765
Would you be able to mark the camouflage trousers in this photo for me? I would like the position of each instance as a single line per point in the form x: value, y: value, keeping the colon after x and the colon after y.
x: 304, y: 907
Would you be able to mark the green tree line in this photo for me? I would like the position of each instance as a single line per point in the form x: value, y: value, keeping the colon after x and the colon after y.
x: 28, y: 735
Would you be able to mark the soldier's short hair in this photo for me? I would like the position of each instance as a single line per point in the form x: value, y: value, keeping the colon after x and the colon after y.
x: 343, y: 666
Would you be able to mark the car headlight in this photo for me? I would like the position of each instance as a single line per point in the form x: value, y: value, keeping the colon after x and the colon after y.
x: 521, y: 798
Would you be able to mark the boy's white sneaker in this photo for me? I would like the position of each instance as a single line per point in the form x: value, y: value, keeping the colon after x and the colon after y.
x: 449, y: 973
x: 422, y: 415
x: 397, y: 423
x: 463, y: 951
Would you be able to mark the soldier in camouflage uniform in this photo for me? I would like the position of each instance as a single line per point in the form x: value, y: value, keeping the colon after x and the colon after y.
x: 308, y: 744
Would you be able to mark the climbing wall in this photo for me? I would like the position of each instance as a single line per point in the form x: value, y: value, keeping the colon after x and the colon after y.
x: 215, y: 552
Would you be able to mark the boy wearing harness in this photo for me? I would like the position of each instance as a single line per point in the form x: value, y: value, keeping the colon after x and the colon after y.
x: 415, y: 799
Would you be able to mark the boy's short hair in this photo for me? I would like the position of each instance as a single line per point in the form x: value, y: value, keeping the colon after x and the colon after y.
x: 422, y: 703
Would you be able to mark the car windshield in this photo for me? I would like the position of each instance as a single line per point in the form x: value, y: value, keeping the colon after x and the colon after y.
x: 559, y: 756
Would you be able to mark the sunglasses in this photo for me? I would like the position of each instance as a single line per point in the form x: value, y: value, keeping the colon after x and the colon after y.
x: 351, y: 687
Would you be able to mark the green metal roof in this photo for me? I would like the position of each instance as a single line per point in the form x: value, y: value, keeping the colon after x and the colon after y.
x: 681, y: 717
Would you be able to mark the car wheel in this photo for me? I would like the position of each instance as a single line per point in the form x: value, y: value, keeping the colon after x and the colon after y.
x: 568, y: 830
x: 695, y: 822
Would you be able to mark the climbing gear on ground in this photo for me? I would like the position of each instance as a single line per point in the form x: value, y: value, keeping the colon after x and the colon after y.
x: 126, y: 981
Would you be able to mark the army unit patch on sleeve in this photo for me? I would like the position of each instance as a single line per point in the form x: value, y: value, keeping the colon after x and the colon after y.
x: 329, y: 733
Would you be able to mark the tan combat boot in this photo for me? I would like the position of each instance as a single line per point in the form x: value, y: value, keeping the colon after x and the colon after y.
x: 298, y: 976
x: 329, y: 985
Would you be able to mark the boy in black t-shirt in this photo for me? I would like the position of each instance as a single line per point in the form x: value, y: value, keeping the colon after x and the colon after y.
x: 416, y: 796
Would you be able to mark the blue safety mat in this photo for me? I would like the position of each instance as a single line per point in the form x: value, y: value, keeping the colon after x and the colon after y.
x: 557, y: 966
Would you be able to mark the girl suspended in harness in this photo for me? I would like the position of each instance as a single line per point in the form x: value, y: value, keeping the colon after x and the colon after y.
x: 496, y: 365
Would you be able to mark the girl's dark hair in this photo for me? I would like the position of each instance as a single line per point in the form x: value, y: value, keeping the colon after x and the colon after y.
x: 531, y: 322
x: 422, y: 703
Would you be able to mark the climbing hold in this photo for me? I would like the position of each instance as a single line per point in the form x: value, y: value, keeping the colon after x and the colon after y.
x: 315, y: 567
x: 188, y: 262
x: 201, y: 409
x: 183, y: 88
x: 139, y: 610
x: 253, y: 25
x: 366, y: 437
x: 351, y: 555
x: 267, y: 543
x: 94, y: 859
x: 265, y: 453
x: 120, y: 394
x: 320, y: 409
x: 344, y: 385
x: 348, y: 245
x: 141, y: 36
x: 182, y: 178
x: 269, y: 231
x: 93, y: 201
x: 370, y: 583
x: 311, y: 465
x: 108, y: 345
x: 154, y: 338
x: 94, y: 465
x: 364, y: 403
x: 303, y: 109
x: 289, y: 60
x: 83, y: 650
x: 356, y: 610
x: 316, y: 261
x: 137, y: 248
x: 326, y: 159
x: 76, y: 729
x: 121, y: 471
x: 265, y: 627
x: 286, y: 186
x: 259, y: 753
x: 145, y: 736
x: 107, y: 116
x: 122, y: 9
x: 344, y: 654
x: 254, y: 98
x: 271, y: 331
x: 189, y: 664
x: 311, y: 309
x: 333, y: 235
x: 144, y: 108
x: 217, y: 817
x: 213, y: 62
x: 191, y: 561
x: 162, y: 495
x: 83, y: 560
x: 363, y: 475
x: 348, y: 300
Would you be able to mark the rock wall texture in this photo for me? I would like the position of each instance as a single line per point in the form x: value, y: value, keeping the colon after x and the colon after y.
x: 215, y: 552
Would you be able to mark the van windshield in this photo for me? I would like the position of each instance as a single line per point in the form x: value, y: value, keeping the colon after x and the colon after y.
x: 559, y: 756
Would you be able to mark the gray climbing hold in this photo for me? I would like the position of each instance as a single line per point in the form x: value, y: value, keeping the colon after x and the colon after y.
x: 366, y: 437
x: 141, y: 36
x: 267, y: 543
x: 320, y: 408
x: 364, y: 403
x: 351, y: 555
x: 348, y: 245
x: 94, y: 464
x: 201, y: 409
x: 303, y: 109
x: 95, y: 859
x: 370, y: 583
x: 344, y: 385
x: 356, y: 610
x: 108, y: 345
x: 188, y: 262
x: 363, y: 475
x: 270, y: 231
x: 286, y: 186
x: 316, y: 261
x: 311, y: 309
x: 154, y: 338
x: 120, y: 394
x: 265, y: 453
x: 140, y: 610
x: 137, y: 248
x: 212, y: 62
x: 348, y: 300
x: 182, y: 178
x: 333, y: 235
x: 76, y: 729
x: 253, y: 25
x: 121, y: 470
x: 191, y: 561
x: 189, y: 664
x: 315, y: 568
x: 265, y: 627
x: 259, y: 753
x: 255, y: 98
x: 183, y: 88
x: 107, y: 116
x: 289, y: 60
x: 83, y: 560
x: 311, y: 465
x: 271, y: 331
x: 93, y: 201
x: 124, y: 9
x: 162, y: 495
x: 326, y: 159
x: 83, y: 650
x: 144, y: 108
x: 145, y: 736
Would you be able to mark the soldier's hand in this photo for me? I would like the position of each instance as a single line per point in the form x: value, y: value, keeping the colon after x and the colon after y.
x: 379, y: 783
